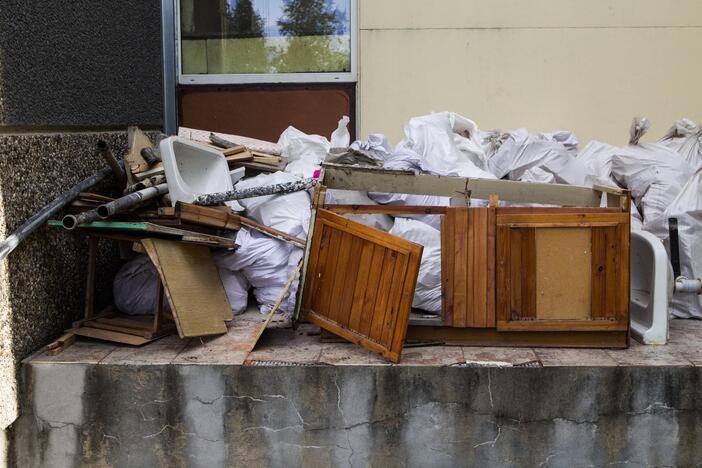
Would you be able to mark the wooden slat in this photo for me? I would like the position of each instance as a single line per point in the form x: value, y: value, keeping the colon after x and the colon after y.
x: 599, y: 272
x: 447, y: 266
x: 408, y: 286
x: 528, y: 274
x: 386, y: 209
x: 480, y: 267
x: 347, y: 294
x: 340, y: 285
x: 328, y: 270
x: 395, y: 296
x: 110, y: 335
x: 370, y: 297
x: 503, y: 283
x: 491, y: 279
x: 382, y: 296
x: 359, y: 291
x: 460, y: 268
x: 561, y: 219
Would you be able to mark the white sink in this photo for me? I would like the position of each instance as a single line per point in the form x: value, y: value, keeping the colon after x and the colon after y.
x: 193, y: 169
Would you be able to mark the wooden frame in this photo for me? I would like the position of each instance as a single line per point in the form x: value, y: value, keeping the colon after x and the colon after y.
x: 474, y: 308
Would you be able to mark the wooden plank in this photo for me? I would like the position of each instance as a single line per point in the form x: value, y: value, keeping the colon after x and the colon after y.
x: 491, y: 278
x: 561, y: 325
x: 314, y: 259
x: 320, y: 273
x: 447, y: 272
x: 326, y: 286
x: 347, y: 294
x: 114, y: 336
x: 343, y: 256
x: 377, y: 180
x: 359, y: 292
x: 599, y: 273
x: 406, y: 298
x: 460, y: 268
x: 516, y: 258
x: 136, y: 141
x: 395, y: 297
x: 386, y: 209
x: 556, y: 219
x: 480, y: 267
x: 373, y: 285
x: 503, y: 261
x: 528, y: 274
x: 382, y: 296
x: 193, y: 288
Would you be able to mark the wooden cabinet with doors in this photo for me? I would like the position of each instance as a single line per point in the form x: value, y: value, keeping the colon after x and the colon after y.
x: 511, y: 276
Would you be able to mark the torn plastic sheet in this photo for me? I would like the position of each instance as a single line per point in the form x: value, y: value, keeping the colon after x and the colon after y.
x: 685, y: 137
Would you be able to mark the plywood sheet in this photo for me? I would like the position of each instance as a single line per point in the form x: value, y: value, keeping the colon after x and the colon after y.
x: 193, y: 287
x: 563, y: 273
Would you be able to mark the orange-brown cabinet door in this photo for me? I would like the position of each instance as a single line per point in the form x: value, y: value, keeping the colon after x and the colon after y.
x: 562, y: 272
x: 360, y: 283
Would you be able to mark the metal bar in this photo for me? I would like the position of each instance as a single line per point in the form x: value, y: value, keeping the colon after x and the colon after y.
x: 70, y: 221
x: 41, y: 216
x: 276, y: 189
x: 131, y: 200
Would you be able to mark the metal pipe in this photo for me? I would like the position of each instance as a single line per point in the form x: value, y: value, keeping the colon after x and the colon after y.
x: 70, y: 221
x: 104, y: 150
x: 131, y: 200
x: 276, y: 189
x: 40, y: 217
x: 685, y: 285
x: 221, y: 142
x: 150, y: 155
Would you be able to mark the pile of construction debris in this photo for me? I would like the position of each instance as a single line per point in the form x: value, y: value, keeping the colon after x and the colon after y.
x: 249, y: 200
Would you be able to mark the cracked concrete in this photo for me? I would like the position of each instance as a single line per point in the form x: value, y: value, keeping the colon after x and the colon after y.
x: 210, y: 415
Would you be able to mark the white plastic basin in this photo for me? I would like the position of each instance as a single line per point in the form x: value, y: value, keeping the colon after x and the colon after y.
x: 193, y: 169
x: 651, y: 288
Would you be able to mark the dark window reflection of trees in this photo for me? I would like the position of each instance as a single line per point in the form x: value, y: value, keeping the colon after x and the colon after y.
x: 310, y: 26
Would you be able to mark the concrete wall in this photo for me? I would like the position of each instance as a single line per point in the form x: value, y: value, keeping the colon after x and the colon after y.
x: 215, y: 416
x: 70, y: 73
x: 542, y: 64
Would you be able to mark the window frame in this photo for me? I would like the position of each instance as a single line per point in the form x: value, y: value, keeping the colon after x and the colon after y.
x: 263, y: 78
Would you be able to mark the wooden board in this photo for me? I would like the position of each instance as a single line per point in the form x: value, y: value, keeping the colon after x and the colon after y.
x: 193, y: 288
x: 360, y: 283
x: 136, y: 140
x: 466, y: 261
x: 384, y: 180
x: 562, y: 272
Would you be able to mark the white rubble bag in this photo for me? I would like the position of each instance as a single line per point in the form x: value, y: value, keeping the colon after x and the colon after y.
x: 350, y: 197
x: 653, y: 172
x: 289, y: 212
x: 404, y: 199
x: 305, y: 153
x: 427, y: 294
x: 447, y: 144
x: 597, y: 158
x: 687, y: 209
x: 267, y: 264
x: 685, y: 137
x: 237, y: 288
x: 135, y: 287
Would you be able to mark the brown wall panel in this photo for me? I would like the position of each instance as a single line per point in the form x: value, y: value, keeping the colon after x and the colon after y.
x: 265, y: 111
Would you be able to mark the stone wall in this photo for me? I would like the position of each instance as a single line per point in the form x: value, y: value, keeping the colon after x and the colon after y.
x: 70, y: 73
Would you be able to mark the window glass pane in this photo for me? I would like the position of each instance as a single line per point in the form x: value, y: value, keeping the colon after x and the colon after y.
x: 265, y: 36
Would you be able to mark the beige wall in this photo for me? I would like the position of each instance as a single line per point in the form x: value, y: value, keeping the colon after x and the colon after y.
x: 587, y: 66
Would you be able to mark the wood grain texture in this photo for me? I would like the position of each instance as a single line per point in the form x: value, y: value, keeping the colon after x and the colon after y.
x: 361, y: 283
x: 193, y: 287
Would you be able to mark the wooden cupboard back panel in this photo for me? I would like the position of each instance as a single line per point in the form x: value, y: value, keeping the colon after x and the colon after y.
x: 360, y: 283
x: 467, y: 259
x: 562, y: 271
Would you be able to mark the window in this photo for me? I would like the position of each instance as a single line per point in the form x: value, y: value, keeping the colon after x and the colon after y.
x: 264, y: 41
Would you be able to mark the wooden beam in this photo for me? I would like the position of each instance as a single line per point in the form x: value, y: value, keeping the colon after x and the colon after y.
x: 383, y: 180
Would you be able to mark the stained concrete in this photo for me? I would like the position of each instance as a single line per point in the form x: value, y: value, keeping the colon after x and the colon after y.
x: 80, y: 64
x: 297, y: 401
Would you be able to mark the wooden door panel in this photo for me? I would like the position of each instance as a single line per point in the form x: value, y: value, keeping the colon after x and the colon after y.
x: 562, y: 271
x: 467, y: 259
x: 360, y: 283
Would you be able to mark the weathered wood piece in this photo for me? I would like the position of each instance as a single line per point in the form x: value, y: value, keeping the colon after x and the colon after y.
x: 360, y: 283
x: 389, y: 181
x: 193, y: 288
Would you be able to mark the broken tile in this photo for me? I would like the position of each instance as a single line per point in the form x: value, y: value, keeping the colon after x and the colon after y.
x: 507, y: 356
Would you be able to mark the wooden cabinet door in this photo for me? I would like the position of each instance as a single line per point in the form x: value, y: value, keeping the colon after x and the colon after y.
x: 360, y: 283
x: 562, y: 272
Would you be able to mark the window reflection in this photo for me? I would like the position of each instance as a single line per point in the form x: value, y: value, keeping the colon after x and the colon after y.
x: 265, y: 36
